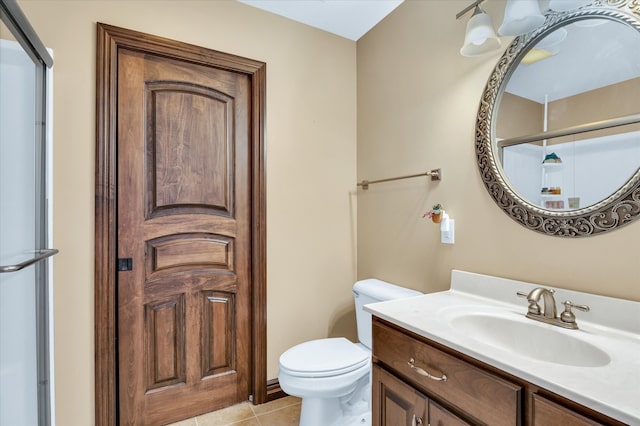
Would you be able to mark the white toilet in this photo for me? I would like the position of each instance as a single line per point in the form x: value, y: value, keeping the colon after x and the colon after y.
x: 332, y: 376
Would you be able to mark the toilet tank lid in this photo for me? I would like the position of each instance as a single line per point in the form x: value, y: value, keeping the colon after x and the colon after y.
x: 382, y: 290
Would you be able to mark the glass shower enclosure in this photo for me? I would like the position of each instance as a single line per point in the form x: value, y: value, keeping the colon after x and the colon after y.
x: 25, y: 373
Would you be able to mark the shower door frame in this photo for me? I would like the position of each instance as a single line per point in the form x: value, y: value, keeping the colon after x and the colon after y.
x: 18, y: 25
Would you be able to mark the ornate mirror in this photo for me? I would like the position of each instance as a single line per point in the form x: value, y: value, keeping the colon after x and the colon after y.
x: 558, y: 129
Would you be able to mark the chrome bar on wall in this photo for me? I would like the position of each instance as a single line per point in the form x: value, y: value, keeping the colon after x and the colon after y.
x: 436, y: 174
x: 574, y: 130
x: 40, y: 255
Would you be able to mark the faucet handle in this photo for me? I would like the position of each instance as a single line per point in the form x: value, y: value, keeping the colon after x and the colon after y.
x: 533, y: 308
x: 568, y: 304
x: 567, y: 315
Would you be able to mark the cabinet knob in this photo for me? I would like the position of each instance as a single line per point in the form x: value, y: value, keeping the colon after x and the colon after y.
x: 422, y: 372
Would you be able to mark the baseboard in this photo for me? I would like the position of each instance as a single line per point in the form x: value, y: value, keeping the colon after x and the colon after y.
x: 274, y: 391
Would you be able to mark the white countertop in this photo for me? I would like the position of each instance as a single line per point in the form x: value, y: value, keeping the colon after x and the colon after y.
x: 612, y: 325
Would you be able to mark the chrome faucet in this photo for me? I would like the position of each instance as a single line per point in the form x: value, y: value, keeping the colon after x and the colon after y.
x: 548, y: 314
x: 549, y: 306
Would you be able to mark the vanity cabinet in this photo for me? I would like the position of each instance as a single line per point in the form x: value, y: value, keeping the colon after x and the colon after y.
x: 409, y: 386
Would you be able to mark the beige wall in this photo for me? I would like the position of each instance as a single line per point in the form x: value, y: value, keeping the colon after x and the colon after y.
x: 616, y: 100
x: 311, y: 167
x: 518, y: 116
x: 611, y: 101
x: 417, y: 105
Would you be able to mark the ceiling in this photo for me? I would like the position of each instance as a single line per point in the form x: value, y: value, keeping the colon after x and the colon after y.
x: 350, y: 19
x: 594, y: 53
x: 587, y: 49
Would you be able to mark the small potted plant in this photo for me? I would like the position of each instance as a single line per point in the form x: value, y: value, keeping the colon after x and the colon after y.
x: 435, y: 213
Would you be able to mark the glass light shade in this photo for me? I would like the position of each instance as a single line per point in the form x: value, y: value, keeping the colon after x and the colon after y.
x: 520, y: 17
x: 480, y: 37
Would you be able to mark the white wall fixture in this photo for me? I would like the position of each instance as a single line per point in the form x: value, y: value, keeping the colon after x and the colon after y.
x: 447, y: 229
x: 480, y: 37
x: 520, y: 17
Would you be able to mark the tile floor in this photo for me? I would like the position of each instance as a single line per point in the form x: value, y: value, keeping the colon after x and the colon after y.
x: 281, y: 412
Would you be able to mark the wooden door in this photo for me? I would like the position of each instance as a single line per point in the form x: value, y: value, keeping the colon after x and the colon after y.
x: 184, y: 238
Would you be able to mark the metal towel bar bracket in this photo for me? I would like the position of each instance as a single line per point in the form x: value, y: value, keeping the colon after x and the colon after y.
x: 40, y: 255
x: 436, y: 174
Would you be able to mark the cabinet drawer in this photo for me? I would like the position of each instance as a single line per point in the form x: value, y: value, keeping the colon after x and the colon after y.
x: 485, y: 397
x: 547, y: 412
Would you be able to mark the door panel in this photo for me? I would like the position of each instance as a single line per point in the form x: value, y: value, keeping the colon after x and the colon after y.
x: 219, y: 312
x: 189, y: 176
x: 165, y: 342
x: 25, y: 371
x: 185, y: 251
x: 18, y: 218
x: 184, y: 218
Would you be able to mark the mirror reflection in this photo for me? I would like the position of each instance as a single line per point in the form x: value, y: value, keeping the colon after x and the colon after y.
x: 583, y: 74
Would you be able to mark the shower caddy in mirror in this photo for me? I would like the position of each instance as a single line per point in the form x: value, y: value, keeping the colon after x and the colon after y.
x: 526, y: 114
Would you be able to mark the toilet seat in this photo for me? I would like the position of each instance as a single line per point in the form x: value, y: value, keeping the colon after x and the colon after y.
x: 324, y: 358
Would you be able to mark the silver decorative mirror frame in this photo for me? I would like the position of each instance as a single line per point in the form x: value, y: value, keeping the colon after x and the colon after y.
x: 617, y: 210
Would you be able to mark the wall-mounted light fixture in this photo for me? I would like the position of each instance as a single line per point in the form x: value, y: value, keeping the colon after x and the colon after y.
x: 480, y: 37
x: 520, y: 17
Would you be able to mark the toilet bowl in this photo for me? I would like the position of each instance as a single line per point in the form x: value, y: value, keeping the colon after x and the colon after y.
x: 332, y: 376
x: 323, y: 372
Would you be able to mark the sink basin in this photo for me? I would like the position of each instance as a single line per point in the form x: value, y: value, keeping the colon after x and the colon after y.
x: 530, y: 339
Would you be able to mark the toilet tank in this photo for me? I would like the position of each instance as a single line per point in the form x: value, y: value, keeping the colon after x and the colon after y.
x: 371, y: 291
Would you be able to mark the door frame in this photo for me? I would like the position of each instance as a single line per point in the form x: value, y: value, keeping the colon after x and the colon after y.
x: 109, y: 40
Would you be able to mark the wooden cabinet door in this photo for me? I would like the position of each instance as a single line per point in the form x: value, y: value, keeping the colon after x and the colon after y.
x: 395, y: 403
x: 439, y: 416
